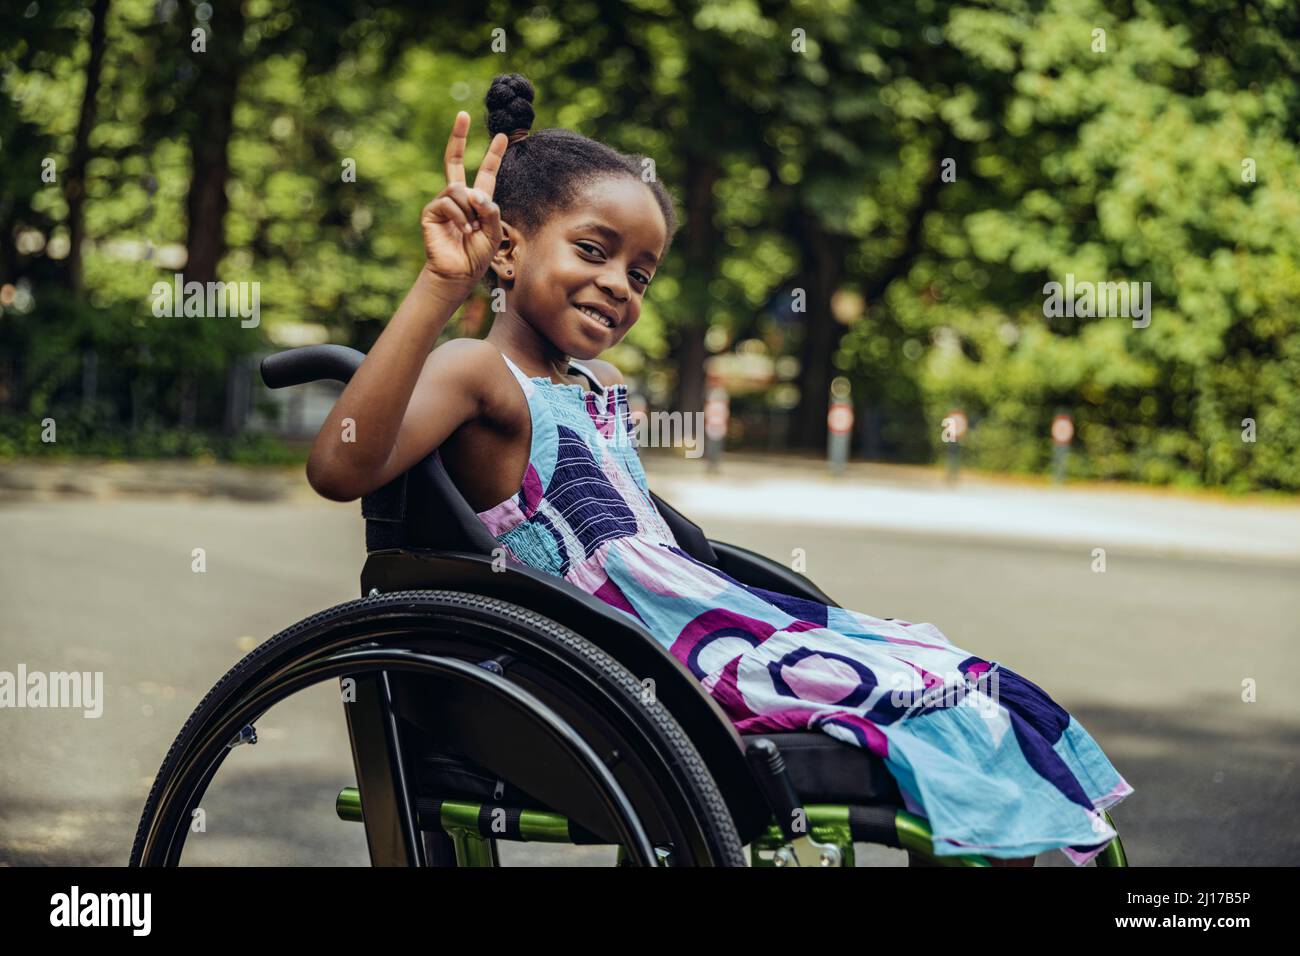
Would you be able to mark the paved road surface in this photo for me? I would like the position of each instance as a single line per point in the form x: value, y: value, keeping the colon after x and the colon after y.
x: 1150, y: 656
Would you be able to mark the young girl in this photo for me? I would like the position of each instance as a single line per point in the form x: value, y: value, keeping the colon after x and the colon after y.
x: 570, y: 237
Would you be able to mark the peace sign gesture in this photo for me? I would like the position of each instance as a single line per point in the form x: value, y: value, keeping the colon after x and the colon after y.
x: 462, y: 226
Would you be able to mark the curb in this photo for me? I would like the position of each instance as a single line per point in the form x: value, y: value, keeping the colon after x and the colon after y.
x: 27, y: 480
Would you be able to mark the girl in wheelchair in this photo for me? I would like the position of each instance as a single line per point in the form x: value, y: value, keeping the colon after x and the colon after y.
x: 569, y: 235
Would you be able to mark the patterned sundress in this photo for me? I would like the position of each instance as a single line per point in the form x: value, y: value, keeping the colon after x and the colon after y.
x: 987, y: 757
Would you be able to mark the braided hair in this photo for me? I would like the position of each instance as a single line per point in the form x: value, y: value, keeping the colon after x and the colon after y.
x: 543, y: 172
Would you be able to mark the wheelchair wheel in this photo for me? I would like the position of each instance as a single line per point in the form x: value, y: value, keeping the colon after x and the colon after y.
x: 556, y: 716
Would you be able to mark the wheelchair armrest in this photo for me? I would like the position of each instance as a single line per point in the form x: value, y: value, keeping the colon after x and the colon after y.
x: 690, y: 538
x: 752, y: 568
x: 310, y: 363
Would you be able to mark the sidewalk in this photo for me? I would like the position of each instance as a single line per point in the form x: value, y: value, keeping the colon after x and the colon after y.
x: 919, y: 500
x: 790, y: 490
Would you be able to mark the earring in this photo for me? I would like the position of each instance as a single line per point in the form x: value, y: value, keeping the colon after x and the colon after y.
x: 509, y: 273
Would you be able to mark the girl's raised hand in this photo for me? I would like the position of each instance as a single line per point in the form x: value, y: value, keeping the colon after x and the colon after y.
x: 462, y: 226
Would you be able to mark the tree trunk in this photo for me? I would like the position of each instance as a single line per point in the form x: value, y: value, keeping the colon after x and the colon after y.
x: 74, y: 184
x: 823, y: 268
x: 214, y: 91
x: 701, y: 244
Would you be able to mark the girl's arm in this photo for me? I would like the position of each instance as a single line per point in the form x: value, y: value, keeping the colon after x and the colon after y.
x: 366, y: 440
x: 371, y: 436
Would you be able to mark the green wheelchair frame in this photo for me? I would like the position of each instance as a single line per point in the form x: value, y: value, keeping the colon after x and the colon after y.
x: 830, y: 835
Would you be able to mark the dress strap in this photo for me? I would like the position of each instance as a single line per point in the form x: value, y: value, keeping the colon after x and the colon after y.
x: 590, y: 376
x: 518, y: 372
x: 527, y: 382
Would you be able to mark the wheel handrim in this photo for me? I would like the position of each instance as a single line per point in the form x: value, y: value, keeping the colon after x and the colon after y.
x: 209, y: 749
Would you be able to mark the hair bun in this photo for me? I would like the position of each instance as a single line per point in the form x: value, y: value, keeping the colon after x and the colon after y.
x: 509, y: 105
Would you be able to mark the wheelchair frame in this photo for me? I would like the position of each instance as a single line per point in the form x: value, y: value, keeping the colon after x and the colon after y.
x: 830, y: 829
x: 424, y: 542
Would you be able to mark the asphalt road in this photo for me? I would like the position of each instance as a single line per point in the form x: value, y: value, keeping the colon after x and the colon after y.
x: 1149, y: 656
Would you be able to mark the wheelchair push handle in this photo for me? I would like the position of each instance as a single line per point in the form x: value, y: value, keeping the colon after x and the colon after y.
x: 311, y: 363
x: 773, y: 779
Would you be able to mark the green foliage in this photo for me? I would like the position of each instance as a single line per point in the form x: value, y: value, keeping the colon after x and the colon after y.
x: 85, y: 436
x: 1122, y: 164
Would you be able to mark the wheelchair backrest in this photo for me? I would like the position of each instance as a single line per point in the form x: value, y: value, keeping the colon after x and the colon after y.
x: 423, y: 508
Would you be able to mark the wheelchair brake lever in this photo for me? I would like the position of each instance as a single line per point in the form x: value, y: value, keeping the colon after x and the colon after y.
x: 773, y: 778
x: 769, y: 770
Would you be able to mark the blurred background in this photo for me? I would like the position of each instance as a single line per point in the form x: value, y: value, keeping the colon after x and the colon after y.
x: 820, y: 170
x: 873, y: 198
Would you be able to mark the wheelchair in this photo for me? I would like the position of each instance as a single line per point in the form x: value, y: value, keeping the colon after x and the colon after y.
x: 487, y: 701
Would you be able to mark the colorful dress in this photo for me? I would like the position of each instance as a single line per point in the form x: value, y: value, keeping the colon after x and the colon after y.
x: 988, y: 758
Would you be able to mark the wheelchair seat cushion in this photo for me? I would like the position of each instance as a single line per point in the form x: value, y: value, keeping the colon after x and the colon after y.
x: 824, y: 770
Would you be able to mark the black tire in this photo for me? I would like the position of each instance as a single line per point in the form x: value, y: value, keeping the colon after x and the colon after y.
x: 557, y: 665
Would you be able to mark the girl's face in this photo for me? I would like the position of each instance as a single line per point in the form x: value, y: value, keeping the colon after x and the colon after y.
x: 600, y: 253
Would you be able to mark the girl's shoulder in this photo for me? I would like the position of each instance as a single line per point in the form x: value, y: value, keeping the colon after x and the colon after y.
x: 468, y: 357
x: 475, y: 368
